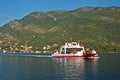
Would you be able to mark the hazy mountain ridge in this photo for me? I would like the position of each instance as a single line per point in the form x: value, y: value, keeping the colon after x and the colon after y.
x: 96, y: 27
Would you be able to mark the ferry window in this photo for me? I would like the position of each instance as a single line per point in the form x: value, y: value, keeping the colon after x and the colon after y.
x: 79, y: 49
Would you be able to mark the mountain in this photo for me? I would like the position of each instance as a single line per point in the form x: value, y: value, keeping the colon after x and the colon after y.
x: 95, y: 27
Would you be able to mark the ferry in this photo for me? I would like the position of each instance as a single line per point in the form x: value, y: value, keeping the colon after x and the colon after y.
x: 74, y: 49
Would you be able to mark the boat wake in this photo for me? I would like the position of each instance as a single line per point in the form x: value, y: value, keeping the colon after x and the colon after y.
x: 41, y: 56
x: 25, y: 55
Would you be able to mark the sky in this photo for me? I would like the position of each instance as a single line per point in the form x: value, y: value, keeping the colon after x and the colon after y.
x: 17, y: 9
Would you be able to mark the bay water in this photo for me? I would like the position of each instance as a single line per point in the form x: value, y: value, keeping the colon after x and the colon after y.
x: 43, y: 67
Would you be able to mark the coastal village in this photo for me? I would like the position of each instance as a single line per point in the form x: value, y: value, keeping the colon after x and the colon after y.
x: 14, y: 47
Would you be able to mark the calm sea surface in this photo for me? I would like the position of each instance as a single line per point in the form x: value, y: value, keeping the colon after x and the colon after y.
x: 43, y: 67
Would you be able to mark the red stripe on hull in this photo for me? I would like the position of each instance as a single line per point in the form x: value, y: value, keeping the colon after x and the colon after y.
x: 88, y: 55
x: 64, y: 56
x: 83, y: 56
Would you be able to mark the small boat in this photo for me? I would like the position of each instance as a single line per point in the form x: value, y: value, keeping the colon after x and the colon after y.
x: 74, y: 49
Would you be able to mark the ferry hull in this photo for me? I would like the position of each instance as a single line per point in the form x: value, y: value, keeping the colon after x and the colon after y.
x: 71, y: 56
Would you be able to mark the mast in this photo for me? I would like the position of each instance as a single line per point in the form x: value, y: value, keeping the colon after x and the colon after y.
x: 65, y: 48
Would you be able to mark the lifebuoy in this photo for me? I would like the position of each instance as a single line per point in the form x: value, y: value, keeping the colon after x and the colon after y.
x: 74, y: 51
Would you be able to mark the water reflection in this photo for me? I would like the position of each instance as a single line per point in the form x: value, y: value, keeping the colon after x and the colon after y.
x: 75, y: 68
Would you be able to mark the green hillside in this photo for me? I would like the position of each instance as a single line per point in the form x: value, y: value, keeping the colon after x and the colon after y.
x: 95, y: 27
